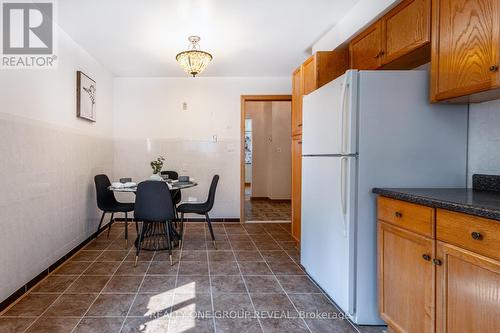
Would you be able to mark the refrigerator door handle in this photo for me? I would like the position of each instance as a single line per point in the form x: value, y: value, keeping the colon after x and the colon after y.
x: 343, y: 99
x: 343, y: 191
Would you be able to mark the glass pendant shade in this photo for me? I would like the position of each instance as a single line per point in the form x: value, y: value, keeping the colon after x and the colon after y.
x: 194, y: 60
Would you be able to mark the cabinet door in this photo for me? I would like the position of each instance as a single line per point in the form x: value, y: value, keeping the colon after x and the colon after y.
x: 465, y: 47
x: 406, y: 279
x: 309, y: 75
x: 467, y: 290
x: 407, y: 28
x: 296, y: 185
x: 297, y: 102
x: 366, y: 49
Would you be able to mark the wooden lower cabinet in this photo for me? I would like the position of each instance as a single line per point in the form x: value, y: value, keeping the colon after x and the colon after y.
x: 406, y: 275
x: 467, y: 291
x: 430, y: 285
x: 296, y: 185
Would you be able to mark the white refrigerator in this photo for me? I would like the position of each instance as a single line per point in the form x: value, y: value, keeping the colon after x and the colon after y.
x: 368, y: 129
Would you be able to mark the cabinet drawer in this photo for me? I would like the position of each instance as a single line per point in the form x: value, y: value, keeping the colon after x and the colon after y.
x: 473, y: 233
x: 416, y: 218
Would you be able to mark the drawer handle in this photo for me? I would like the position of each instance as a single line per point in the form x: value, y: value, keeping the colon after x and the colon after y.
x: 398, y: 214
x: 426, y: 257
x: 476, y: 235
x: 494, y: 68
x: 437, y: 262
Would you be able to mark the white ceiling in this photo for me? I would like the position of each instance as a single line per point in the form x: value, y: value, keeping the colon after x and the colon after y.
x: 246, y: 37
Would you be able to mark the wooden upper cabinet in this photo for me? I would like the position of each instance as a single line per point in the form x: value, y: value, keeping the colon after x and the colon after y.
x: 467, y: 291
x: 322, y: 67
x: 406, y: 279
x: 407, y: 28
x: 297, y: 102
x: 465, y: 50
x: 366, y: 48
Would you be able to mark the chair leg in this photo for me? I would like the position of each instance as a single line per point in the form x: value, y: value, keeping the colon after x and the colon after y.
x: 207, y: 218
x: 136, y: 227
x: 169, y: 244
x: 100, y: 224
x: 110, y: 223
x: 126, y: 229
x: 139, y: 243
x: 181, y: 231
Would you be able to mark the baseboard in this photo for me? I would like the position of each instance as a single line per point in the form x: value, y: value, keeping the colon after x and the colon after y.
x: 31, y: 283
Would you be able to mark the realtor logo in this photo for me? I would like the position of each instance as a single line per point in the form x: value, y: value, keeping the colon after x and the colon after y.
x: 27, y: 34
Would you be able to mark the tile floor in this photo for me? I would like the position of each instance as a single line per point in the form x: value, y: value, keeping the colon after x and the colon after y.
x: 265, y: 209
x: 252, y: 283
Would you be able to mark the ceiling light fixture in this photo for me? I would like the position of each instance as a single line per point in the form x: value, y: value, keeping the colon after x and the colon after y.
x: 194, y: 60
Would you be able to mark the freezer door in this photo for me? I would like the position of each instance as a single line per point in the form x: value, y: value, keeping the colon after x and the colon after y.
x: 329, y: 118
x: 327, y: 229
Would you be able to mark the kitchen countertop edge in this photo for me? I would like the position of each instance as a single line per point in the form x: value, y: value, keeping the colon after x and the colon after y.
x: 479, y: 211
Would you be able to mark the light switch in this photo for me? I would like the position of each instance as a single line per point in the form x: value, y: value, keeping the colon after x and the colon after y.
x: 184, y: 106
x: 214, y: 138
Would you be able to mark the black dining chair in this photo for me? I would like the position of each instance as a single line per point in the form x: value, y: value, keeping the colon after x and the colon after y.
x: 153, y: 204
x: 176, y: 195
x: 107, y: 202
x: 201, y: 209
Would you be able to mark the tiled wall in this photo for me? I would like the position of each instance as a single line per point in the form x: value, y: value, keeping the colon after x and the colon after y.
x: 484, y: 139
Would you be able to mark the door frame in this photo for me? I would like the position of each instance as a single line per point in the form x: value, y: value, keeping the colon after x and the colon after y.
x: 251, y: 98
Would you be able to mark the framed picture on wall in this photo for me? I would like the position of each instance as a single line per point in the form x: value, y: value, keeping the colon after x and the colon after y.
x: 85, y: 97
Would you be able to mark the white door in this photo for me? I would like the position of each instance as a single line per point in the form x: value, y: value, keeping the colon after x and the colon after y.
x: 326, y: 247
x: 329, y: 118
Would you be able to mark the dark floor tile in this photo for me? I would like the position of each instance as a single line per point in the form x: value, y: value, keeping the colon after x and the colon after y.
x: 224, y: 268
x: 298, y: 284
x: 101, y: 325
x: 194, y: 245
x: 123, y: 284
x: 15, y: 325
x: 163, y: 268
x: 243, y: 246
x: 228, y: 284
x: 70, y: 305
x: 248, y: 256
x: 315, y: 303
x: 193, y: 284
x: 193, y: 268
x: 102, y: 268
x: 31, y: 305
x: 112, y: 255
x: 289, y: 325
x: 243, y: 325
x: 372, y: 329
x: 146, y: 325
x: 236, y: 304
x: 330, y: 325
x: 190, y: 325
x: 88, y: 284
x: 155, y: 305
x: 53, y: 325
x: 286, y: 268
x: 265, y: 303
x: 98, y: 245
x: 267, y: 245
x: 221, y: 256
x: 111, y: 305
x: 275, y: 256
x: 128, y: 268
x: 85, y: 255
x: 55, y: 284
x: 143, y: 256
x: 72, y: 268
x: 263, y: 284
x: 254, y: 268
x: 194, y: 255
x: 158, y: 284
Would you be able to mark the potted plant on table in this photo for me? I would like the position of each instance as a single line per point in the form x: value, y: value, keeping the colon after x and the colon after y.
x: 157, y: 165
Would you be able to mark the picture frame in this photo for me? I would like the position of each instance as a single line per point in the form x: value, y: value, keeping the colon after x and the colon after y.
x: 86, y: 89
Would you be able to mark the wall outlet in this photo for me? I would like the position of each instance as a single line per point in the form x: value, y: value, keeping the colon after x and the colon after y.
x: 184, y: 106
x: 214, y: 138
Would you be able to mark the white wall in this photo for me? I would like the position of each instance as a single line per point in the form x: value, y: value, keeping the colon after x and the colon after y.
x: 149, y: 121
x: 48, y: 160
x: 484, y: 138
x: 356, y: 19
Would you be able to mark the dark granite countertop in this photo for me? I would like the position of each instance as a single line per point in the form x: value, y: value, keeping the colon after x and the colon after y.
x: 469, y: 201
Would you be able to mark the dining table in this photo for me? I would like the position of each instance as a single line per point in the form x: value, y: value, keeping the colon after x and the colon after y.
x: 155, y: 235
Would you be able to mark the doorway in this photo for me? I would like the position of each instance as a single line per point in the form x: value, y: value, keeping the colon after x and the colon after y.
x: 265, y: 158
